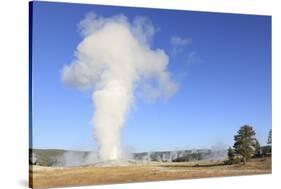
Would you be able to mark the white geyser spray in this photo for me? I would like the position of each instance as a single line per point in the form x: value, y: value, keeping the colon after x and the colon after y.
x: 113, y: 59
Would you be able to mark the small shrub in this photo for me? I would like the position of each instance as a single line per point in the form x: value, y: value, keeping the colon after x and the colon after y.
x: 232, y: 161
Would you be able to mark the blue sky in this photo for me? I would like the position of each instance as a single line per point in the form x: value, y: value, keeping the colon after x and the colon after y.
x: 223, y: 69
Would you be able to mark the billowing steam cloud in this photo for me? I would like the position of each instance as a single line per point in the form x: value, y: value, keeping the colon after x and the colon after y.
x: 114, y: 58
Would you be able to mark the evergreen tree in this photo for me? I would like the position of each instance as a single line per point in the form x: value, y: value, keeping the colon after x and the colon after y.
x: 258, y: 152
x: 230, y: 154
x: 245, y: 142
x: 269, y: 140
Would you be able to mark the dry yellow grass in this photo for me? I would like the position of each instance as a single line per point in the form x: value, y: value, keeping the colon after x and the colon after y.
x: 44, y: 177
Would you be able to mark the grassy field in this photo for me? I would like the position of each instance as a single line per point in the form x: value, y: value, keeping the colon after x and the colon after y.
x: 44, y: 177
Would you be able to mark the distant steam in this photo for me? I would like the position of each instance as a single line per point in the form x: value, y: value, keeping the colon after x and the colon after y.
x: 76, y: 158
x: 112, y: 60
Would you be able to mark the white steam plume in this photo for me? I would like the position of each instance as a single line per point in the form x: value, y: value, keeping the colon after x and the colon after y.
x: 113, y: 58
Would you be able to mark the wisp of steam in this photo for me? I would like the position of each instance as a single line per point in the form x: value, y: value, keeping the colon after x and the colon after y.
x: 113, y: 59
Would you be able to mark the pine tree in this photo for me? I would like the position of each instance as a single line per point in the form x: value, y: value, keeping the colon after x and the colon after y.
x: 245, y: 142
x: 230, y: 154
x: 257, y: 149
x: 269, y: 140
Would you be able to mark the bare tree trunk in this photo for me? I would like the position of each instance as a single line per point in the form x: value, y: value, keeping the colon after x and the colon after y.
x: 244, y: 161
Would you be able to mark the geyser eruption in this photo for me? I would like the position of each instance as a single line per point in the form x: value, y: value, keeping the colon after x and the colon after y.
x: 114, y: 58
